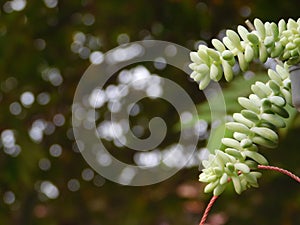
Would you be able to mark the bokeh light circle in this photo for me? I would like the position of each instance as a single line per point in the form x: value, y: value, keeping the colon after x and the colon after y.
x: 97, y: 75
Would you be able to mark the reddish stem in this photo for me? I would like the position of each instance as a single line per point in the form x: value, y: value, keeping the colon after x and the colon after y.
x: 280, y: 170
x: 208, y: 207
x: 274, y: 168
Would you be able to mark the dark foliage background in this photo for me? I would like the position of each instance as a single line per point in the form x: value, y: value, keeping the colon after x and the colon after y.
x: 37, y: 38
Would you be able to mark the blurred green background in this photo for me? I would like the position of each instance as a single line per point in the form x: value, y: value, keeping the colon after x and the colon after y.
x: 45, y: 47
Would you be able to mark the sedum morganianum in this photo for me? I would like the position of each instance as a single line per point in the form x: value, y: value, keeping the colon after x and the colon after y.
x: 267, y: 40
x: 264, y: 110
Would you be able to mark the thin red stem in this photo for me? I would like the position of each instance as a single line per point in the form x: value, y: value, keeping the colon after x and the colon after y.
x: 273, y: 168
x: 280, y: 170
x: 208, y: 207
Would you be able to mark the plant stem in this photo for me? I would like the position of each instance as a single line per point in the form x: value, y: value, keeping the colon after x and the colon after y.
x: 208, y: 207
x: 280, y: 170
x: 262, y: 167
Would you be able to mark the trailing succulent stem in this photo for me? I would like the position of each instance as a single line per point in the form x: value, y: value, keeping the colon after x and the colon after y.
x: 264, y: 110
x: 256, y: 125
x: 280, y: 41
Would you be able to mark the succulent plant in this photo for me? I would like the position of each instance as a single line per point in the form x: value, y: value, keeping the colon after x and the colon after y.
x: 263, y: 111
